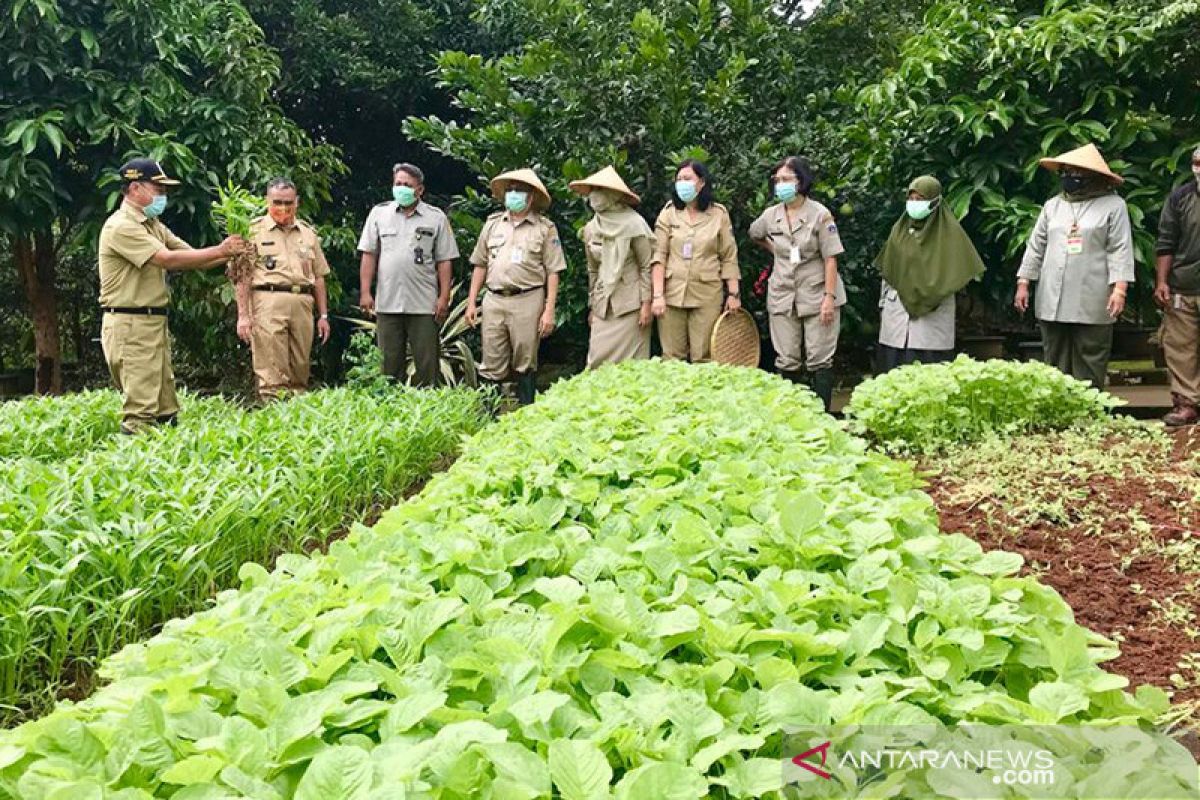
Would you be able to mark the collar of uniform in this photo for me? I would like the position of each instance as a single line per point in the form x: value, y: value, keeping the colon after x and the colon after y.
x: 797, y: 220
x: 527, y: 218
x: 418, y: 210
x: 135, y: 212
x: 275, y: 226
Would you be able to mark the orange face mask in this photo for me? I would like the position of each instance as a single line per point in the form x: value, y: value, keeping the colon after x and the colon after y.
x: 283, y: 215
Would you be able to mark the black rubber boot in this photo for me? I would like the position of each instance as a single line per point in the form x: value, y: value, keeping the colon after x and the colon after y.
x: 526, y: 387
x: 791, y: 375
x: 822, y: 386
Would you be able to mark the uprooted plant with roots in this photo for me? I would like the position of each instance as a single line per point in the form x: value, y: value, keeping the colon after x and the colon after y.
x: 234, y: 211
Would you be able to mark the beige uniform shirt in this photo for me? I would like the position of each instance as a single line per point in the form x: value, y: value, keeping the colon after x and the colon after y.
x: 519, y: 255
x: 287, y: 256
x: 798, y: 273
x: 697, y: 256
x: 128, y: 241
x: 401, y: 240
x: 633, y: 282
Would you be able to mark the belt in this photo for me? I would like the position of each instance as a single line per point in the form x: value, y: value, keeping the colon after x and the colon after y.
x: 270, y: 287
x: 515, y: 292
x: 148, y: 311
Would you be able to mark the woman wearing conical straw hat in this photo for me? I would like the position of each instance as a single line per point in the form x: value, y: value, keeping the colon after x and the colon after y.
x: 518, y: 257
x: 1081, y: 256
x: 619, y: 246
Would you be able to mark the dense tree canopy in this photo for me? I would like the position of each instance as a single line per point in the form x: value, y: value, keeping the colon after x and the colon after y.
x: 333, y: 92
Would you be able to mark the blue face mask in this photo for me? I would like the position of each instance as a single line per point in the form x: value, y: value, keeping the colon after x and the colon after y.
x: 919, y: 209
x: 785, y: 192
x: 516, y: 201
x: 404, y: 195
x: 156, y: 207
x: 686, y: 190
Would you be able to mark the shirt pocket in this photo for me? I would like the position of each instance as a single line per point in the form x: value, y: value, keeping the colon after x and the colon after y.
x: 270, y: 255
x: 389, y: 240
x: 495, y: 243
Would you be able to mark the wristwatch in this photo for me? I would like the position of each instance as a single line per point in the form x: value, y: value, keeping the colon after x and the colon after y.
x: 324, y: 316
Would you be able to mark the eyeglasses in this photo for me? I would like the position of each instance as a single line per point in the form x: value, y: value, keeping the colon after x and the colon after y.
x: 283, y: 203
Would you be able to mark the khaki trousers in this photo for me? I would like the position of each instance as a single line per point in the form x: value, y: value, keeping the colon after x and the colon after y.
x: 1181, y: 345
x: 804, y: 341
x: 686, y: 333
x: 509, y: 334
x: 281, y: 341
x: 137, y: 350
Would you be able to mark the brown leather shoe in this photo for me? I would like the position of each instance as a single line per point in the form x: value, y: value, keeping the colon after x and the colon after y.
x: 1184, y: 413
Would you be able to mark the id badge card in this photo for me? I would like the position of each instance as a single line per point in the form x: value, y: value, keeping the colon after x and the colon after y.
x: 794, y: 255
x: 517, y: 255
x: 1074, y: 244
x: 687, y: 249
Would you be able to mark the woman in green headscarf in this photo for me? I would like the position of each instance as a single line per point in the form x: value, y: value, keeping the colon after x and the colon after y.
x: 619, y: 245
x: 927, y: 258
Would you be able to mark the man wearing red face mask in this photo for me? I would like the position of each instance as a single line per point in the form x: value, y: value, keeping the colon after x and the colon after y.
x: 275, y: 307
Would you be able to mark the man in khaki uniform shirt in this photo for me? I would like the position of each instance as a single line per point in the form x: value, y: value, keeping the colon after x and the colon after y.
x: 519, y: 256
x: 275, y: 307
x: 135, y: 251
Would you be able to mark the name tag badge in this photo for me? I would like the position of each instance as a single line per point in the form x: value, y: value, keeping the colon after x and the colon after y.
x: 794, y: 255
x: 687, y: 249
x: 1074, y: 245
x: 517, y: 255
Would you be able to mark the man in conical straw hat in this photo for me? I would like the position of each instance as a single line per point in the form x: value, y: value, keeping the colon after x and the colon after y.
x: 619, y: 245
x: 1177, y: 292
x: 518, y: 257
x: 1081, y: 256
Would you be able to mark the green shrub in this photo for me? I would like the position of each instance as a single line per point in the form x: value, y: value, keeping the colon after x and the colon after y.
x: 630, y: 589
x: 925, y: 408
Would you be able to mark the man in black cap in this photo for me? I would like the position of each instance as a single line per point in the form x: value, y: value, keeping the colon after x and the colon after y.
x: 136, y: 250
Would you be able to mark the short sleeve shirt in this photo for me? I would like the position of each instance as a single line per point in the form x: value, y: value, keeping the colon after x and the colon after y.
x: 696, y: 254
x: 128, y: 240
x: 290, y: 256
x: 409, y: 247
x: 518, y: 254
x: 800, y: 249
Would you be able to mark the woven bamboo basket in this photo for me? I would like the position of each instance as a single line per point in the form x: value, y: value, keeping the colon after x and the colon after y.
x: 735, y: 339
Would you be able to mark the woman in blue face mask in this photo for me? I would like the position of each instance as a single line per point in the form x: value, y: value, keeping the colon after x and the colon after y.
x: 695, y: 258
x: 804, y: 293
x: 926, y: 260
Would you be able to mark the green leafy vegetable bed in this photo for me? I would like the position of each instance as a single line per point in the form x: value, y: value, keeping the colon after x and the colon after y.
x: 630, y: 589
x: 99, y: 547
x: 925, y: 408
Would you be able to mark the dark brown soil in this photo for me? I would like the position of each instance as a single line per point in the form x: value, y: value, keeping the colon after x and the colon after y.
x: 1117, y: 579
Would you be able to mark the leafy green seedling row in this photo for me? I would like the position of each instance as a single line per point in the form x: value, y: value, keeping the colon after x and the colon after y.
x: 925, y: 408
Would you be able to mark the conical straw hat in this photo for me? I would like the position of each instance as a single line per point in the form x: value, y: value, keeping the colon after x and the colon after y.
x: 1086, y: 157
x: 541, y: 200
x: 606, y: 178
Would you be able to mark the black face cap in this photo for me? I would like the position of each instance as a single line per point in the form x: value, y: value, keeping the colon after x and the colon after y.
x: 145, y: 169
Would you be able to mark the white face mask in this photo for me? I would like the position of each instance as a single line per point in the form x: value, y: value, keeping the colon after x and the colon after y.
x: 602, y: 200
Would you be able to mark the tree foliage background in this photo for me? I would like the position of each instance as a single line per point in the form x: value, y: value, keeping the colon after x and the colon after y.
x: 333, y: 92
